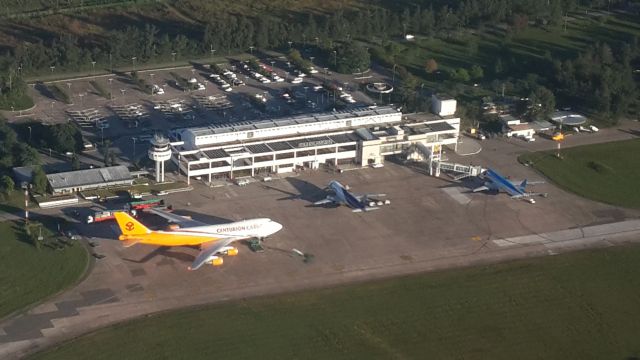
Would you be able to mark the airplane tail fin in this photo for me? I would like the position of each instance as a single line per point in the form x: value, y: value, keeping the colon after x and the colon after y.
x: 523, y: 184
x: 129, y: 226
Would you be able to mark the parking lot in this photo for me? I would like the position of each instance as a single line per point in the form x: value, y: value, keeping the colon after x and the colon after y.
x: 115, y: 106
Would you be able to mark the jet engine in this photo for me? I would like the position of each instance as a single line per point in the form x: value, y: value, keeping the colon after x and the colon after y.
x: 216, y: 261
x: 229, y: 251
x: 173, y: 227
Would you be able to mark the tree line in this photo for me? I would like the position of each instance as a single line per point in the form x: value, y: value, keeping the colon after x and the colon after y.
x: 147, y: 43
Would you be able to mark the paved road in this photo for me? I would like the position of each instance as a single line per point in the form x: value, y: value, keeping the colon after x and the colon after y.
x: 430, y: 224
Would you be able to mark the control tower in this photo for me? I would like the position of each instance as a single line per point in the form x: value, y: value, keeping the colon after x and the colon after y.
x: 159, y: 152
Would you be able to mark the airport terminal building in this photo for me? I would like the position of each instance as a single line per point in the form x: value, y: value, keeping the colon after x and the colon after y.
x: 349, y: 138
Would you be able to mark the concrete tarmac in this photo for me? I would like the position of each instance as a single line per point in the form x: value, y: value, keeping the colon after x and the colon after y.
x: 431, y: 224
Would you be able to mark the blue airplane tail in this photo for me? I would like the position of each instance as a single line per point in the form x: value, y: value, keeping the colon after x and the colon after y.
x: 523, y: 184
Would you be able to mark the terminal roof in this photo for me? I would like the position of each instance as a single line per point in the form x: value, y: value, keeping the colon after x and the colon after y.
x: 86, y: 177
x: 293, y: 120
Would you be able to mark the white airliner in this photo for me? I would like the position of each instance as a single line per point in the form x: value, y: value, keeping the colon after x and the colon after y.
x: 358, y: 203
x: 214, y: 240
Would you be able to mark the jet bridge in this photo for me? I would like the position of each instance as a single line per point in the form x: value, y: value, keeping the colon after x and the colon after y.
x: 432, y: 155
x: 461, y: 170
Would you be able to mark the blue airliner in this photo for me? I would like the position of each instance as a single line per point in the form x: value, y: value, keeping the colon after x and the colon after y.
x: 358, y: 203
x: 496, y: 182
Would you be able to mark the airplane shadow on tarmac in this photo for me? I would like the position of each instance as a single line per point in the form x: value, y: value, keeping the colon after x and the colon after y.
x: 170, y: 252
x: 205, y: 218
x: 306, y: 191
x: 467, y: 184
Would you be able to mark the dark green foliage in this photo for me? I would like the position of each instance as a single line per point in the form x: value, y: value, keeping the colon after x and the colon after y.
x: 14, y: 152
x: 599, y: 83
x: 101, y: 90
x: 7, y: 184
x: 59, y: 94
x: 60, y: 137
x: 75, y: 163
x: 296, y: 59
x: 39, y: 180
x: 350, y: 57
x: 13, y: 89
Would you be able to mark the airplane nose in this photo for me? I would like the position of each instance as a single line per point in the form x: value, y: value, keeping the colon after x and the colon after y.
x: 276, y: 226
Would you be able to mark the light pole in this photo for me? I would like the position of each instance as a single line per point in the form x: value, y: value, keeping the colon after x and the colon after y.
x: 93, y: 68
x: 29, y: 133
x: 317, y: 42
x: 251, y: 50
x: 151, y: 75
x: 110, y: 94
x: 335, y: 58
x: 133, y: 60
x: 134, y: 149
x: 393, y: 78
x: 52, y: 67
x: 81, y: 95
x: 212, y: 50
x: 272, y: 62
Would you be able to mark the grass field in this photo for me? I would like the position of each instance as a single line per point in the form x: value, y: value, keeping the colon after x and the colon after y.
x: 605, y: 172
x: 577, y: 306
x: 530, y: 43
x: 14, y: 201
x: 28, y: 274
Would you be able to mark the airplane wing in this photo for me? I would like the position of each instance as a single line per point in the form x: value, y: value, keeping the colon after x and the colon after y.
x: 529, y: 182
x: 177, y: 219
x: 323, y: 201
x: 209, y: 249
x: 367, y: 208
x: 368, y: 196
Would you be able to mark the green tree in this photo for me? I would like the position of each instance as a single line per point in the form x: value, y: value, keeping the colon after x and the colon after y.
x: 541, y: 103
x: 39, y: 180
x: 75, y: 162
x: 6, y: 184
x: 476, y: 72
x: 350, y: 57
x: 460, y: 74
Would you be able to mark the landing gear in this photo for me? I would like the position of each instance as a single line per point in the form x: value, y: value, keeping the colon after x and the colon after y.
x: 256, y: 245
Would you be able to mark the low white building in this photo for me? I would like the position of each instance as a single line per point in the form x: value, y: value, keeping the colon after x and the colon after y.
x: 521, y: 130
x: 360, y: 137
x: 98, y: 178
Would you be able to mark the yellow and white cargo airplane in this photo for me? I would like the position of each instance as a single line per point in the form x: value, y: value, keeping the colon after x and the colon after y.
x: 214, y: 240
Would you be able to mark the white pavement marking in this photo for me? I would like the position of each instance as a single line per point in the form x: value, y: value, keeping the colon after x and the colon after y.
x: 457, y: 195
x: 585, y: 234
